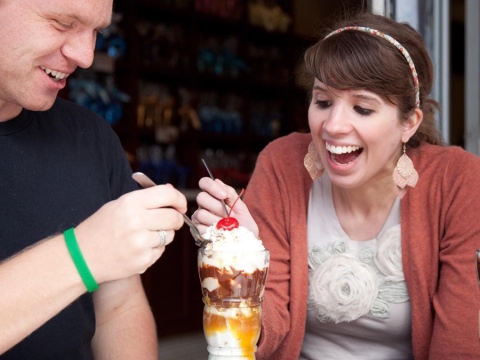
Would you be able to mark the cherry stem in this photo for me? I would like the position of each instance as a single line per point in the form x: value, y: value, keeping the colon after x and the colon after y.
x: 239, y: 196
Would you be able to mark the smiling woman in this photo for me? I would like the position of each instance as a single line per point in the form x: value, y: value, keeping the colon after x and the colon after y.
x: 358, y: 121
x: 369, y: 246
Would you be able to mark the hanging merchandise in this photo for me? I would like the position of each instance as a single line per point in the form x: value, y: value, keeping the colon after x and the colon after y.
x: 110, y: 40
x: 223, y: 9
x: 219, y: 57
x: 268, y: 15
x: 104, y: 99
x: 95, y: 87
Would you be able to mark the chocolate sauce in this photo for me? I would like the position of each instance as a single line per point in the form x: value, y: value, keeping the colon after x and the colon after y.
x: 234, y: 283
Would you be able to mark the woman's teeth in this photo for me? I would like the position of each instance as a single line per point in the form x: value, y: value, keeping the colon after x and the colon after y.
x: 55, y: 75
x: 343, y: 154
x: 341, y: 149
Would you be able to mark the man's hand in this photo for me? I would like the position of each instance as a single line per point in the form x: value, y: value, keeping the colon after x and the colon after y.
x: 121, y: 239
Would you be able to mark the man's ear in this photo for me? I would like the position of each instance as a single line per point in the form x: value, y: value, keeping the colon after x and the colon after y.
x: 410, y: 126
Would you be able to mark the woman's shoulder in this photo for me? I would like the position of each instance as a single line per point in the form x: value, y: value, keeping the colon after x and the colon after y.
x: 286, y: 154
x: 444, y: 156
x: 290, y: 145
x: 445, y: 167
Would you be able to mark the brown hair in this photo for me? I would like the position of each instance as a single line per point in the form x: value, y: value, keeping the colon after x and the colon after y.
x: 358, y: 60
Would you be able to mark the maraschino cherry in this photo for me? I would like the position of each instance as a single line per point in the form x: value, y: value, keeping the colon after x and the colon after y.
x: 229, y: 223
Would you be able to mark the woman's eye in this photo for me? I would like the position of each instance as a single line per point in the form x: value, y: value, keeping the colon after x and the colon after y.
x: 323, y: 104
x: 362, y: 111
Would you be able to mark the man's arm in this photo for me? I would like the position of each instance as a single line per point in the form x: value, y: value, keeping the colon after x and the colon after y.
x: 35, y: 285
x: 125, y: 324
x: 118, y: 241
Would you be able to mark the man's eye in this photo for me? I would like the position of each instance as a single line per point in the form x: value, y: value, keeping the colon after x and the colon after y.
x: 64, y: 25
x: 362, y: 111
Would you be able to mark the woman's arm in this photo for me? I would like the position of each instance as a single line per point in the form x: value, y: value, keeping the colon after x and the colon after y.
x: 269, y: 207
x: 457, y: 299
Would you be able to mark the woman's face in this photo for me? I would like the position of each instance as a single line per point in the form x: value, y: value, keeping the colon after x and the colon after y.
x: 358, y: 135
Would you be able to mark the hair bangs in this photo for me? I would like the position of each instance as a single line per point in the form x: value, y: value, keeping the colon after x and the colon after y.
x: 353, y: 60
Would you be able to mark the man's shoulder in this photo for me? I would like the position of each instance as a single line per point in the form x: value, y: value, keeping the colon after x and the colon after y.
x: 69, y: 108
x: 65, y: 114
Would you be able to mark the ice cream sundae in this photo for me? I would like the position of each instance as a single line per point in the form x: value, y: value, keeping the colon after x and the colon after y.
x: 233, y: 269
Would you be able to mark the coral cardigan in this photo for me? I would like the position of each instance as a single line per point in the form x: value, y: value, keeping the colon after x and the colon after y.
x: 440, y: 232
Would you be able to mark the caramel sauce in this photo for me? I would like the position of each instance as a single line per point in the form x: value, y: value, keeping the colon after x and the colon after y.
x: 245, y: 328
x: 234, y: 307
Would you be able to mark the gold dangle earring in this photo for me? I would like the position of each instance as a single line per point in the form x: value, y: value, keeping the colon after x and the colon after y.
x: 404, y: 173
x: 312, y: 162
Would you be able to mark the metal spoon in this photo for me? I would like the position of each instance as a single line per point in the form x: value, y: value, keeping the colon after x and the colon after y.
x: 144, y: 181
x: 213, y: 178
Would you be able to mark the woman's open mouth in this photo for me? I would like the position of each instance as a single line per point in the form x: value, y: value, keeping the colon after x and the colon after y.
x: 343, y: 154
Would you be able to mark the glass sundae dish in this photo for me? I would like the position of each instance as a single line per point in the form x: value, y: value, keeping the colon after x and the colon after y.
x: 233, y: 270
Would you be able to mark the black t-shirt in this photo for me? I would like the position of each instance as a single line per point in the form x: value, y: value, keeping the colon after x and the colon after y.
x: 57, y: 167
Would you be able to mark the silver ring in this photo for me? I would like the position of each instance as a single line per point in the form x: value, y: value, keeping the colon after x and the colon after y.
x: 163, y: 238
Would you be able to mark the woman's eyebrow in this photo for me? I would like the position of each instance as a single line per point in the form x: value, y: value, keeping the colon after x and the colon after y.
x: 319, y: 88
x: 367, y: 97
x: 374, y: 99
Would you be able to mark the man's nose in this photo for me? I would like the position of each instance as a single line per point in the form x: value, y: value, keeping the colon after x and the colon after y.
x: 80, y: 48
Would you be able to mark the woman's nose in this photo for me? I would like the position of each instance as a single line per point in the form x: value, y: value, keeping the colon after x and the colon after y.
x: 337, y: 121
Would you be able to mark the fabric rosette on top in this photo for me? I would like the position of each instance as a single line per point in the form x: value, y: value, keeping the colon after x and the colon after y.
x: 345, y: 287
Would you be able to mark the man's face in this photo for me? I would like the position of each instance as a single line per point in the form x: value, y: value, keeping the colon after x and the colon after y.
x: 41, y: 43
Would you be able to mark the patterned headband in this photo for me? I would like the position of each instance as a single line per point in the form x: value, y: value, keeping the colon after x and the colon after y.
x: 397, y: 45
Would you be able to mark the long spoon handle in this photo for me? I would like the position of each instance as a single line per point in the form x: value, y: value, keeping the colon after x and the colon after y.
x: 211, y: 176
x: 146, y: 182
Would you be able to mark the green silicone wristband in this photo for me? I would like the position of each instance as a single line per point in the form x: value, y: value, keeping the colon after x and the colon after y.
x: 79, y: 261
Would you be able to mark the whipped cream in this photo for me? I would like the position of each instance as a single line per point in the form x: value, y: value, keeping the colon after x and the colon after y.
x: 235, y: 248
x: 239, y: 239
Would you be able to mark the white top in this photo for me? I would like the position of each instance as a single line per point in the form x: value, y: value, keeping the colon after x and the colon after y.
x: 358, y: 306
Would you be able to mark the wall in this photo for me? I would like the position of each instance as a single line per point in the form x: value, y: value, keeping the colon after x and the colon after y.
x: 312, y: 15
